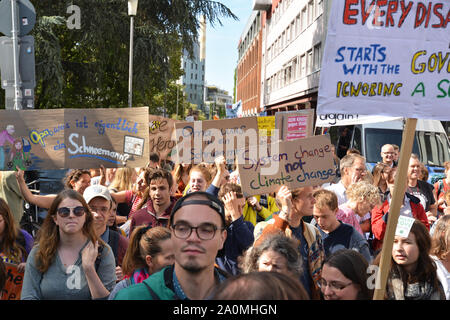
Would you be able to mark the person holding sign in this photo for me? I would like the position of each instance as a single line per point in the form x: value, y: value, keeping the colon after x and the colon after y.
x: 76, y: 179
x: 70, y: 261
x: 294, y: 206
x: 413, y: 272
x: 200, y: 177
x: 239, y: 232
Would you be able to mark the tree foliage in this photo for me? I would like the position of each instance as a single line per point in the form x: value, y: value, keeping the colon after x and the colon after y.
x: 88, y: 67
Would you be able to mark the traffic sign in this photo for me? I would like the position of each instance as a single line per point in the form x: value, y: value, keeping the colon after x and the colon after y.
x: 26, y: 17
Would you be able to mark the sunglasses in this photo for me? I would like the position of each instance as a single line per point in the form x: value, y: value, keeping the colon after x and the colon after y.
x: 64, y: 212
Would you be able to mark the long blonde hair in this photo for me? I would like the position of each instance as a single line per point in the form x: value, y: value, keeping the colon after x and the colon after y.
x: 48, y: 236
x: 123, y: 179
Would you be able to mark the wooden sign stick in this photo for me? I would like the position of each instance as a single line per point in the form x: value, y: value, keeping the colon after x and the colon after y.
x: 394, y: 210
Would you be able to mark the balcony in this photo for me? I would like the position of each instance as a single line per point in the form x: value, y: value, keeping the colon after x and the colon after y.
x: 262, y: 5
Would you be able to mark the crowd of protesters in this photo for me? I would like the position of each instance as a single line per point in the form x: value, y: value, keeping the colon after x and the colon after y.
x: 181, y: 231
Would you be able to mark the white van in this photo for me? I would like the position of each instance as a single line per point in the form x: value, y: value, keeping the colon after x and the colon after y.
x: 431, y: 143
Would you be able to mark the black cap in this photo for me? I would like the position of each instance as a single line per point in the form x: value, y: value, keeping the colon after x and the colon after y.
x: 213, y: 202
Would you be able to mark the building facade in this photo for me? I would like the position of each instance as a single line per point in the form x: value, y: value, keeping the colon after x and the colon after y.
x: 248, y: 77
x: 193, y: 79
x: 293, y: 34
x: 216, y: 101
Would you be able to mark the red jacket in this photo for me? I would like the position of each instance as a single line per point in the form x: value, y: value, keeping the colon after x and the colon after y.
x: 379, y: 225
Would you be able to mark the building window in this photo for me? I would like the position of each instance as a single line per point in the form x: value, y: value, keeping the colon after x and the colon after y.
x: 302, y: 66
x: 317, y: 56
x: 304, y: 19
x: 309, y: 62
x: 319, y: 7
x: 310, y: 12
x: 297, y: 25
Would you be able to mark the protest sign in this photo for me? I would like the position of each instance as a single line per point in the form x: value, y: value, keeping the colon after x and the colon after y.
x: 387, y: 58
x: 299, y: 163
x: 295, y: 124
x: 73, y: 138
x: 14, y: 282
x: 335, y: 119
x: 203, y: 141
x: 162, y: 137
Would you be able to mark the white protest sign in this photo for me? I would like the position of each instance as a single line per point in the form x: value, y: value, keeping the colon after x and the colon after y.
x: 340, y: 119
x: 404, y: 226
x: 388, y: 58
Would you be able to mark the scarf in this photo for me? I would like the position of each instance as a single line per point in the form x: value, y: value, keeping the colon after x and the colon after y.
x: 423, y: 290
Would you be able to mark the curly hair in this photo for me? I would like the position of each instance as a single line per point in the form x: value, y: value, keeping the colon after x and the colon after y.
x: 363, y: 191
x: 440, y: 242
x: 74, y: 176
x: 287, y: 247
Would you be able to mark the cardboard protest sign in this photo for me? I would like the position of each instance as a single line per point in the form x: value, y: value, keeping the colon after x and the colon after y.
x: 298, y: 163
x: 162, y: 137
x: 203, y: 141
x: 295, y: 124
x: 387, y: 58
x: 14, y: 282
x: 73, y: 138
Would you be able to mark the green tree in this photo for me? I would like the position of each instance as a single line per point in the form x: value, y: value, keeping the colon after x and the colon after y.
x: 88, y: 67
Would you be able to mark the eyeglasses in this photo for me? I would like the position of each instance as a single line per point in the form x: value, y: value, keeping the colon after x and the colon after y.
x: 335, y: 286
x: 205, y: 231
x: 64, y: 212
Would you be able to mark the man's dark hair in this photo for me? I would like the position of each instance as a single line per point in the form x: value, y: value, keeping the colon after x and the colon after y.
x: 154, y: 157
x: 155, y: 174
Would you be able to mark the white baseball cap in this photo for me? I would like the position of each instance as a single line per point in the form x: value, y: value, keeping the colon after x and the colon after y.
x: 97, y: 190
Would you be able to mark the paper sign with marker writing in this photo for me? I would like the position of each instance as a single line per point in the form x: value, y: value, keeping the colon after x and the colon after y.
x: 404, y: 226
x: 298, y: 163
x: 387, y: 58
x: 162, y: 137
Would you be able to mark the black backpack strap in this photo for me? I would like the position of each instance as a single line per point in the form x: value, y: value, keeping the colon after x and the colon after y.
x: 152, y: 293
x: 99, y: 257
x: 113, y: 242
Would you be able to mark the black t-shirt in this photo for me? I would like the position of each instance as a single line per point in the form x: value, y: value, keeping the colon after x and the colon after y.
x: 424, y: 191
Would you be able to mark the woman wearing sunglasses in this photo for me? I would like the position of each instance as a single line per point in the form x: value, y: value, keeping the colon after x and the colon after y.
x: 69, y: 260
x: 77, y: 179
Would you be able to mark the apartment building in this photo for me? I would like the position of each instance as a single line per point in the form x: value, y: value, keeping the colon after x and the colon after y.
x: 248, y: 78
x: 293, y: 38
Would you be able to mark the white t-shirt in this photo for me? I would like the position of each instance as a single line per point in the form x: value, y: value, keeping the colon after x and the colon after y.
x: 443, y: 276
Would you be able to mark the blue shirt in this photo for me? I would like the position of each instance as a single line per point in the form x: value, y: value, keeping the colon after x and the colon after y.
x: 305, y: 277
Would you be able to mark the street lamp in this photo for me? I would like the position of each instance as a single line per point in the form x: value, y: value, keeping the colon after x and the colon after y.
x: 132, y: 9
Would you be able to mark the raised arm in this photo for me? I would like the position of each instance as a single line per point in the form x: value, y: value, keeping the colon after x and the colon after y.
x: 42, y: 201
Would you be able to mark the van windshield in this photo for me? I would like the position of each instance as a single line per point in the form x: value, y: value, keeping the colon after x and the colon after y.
x: 376, y: 138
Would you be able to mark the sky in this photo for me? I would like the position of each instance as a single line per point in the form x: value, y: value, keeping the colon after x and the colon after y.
x: 222, y: 43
